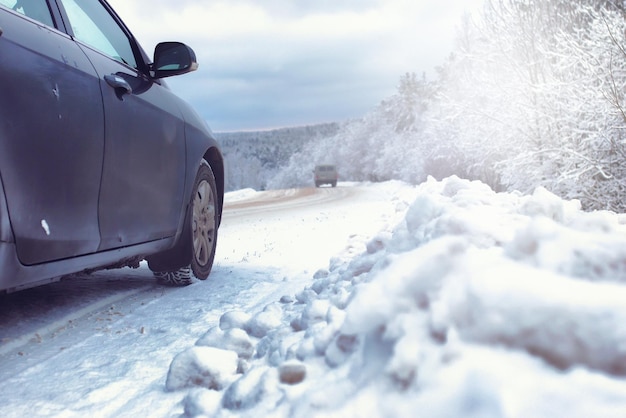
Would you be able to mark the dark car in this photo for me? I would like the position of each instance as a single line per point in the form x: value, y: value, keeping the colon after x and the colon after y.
x: 325, y: 174
x: 101, y: 165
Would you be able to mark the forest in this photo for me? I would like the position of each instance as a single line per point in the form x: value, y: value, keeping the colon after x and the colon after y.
x: 533, y: 94
x: 253, y: 158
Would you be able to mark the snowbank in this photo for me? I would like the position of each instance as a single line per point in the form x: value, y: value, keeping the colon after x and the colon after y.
x: 242, y: 194
x: 477, y: 304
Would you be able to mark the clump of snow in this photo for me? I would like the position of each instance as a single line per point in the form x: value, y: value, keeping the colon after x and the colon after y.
x: 234, y: 319
x: 233, y: 339
x: 477, y: 304
x: 207, y: 367
x: 45, y: 226
x: 564, y: 321
x: 202, y: 402
x: 586, y: 247
x: 261, y: 323
x: 250, y: 389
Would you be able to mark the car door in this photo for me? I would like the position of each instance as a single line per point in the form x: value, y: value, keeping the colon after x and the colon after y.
x: 141, y: 196
x: 51, y: 134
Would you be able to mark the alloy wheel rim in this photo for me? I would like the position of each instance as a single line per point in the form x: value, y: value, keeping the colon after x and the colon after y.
x: 203, y: 223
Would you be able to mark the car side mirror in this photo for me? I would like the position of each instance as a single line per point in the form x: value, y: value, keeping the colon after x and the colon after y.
x: 173, y: 58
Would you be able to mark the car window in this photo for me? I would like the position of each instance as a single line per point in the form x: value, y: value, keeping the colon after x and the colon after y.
x: 35, y: 9
x: 94, y: 25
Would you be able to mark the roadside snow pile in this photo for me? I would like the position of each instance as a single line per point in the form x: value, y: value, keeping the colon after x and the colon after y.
x: 478, y: 304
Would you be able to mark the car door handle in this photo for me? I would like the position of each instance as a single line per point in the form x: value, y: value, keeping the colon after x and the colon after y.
x: 118, y: 83
x: 1, y: 32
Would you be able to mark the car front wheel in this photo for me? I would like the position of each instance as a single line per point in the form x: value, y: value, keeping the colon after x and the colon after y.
x: 204, y: 223
x: 203, y: 218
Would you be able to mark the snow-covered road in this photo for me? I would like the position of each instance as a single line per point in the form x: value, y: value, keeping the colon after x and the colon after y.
x: 101, y: 345
x: 369, y: 300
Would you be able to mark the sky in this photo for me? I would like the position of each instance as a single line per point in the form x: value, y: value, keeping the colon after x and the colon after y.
x: 277, y: 63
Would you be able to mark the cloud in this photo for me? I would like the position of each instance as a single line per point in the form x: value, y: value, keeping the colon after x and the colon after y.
x: 273, y: 63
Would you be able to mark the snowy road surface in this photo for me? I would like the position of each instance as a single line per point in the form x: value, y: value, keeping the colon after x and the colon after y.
x: 102, y: 344
x: 368, y: 300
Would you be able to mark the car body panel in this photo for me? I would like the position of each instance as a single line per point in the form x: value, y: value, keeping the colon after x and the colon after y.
x: 16, y: 276
x: 6, y: 235
x: 196, y: 130
x: 143, y: 176
x: 47, y: 83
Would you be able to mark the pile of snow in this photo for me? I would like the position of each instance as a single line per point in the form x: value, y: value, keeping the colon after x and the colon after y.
x: 478, y: 304
x: 241, y: 194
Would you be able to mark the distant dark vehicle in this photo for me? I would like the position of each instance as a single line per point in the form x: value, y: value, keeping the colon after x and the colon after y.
x: 325, y: 174
x: 101, y: 165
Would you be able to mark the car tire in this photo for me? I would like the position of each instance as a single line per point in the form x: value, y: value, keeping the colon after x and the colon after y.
x: 205, y: 221
x: 180, y: 277
x: 203, y: 218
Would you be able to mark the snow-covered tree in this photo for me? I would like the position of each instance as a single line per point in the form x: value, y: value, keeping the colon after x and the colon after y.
x: 532, y: 95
